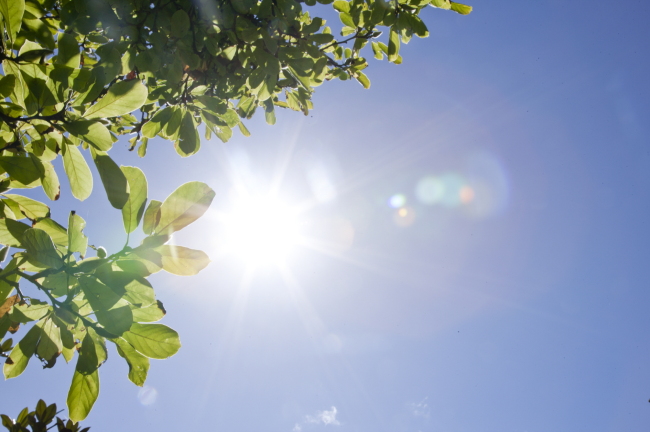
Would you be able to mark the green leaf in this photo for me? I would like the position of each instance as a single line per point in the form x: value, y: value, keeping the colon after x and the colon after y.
x: 20, y: 355
x: 24, y: 313
x: 138, y: 364
x: 461, y: 8
x: 99, y: 295
x: 131, y: 287
x: 11, y: 232
x: 93, y: 132
x: 117, y: 319
x: 83, y: 393
x: 49, y: 178
x: 269, y: 112
x: 58, y: 234
x: 122, y: 98
x: 151, y: 216
x: 134, y: 207
x: 190, y: 141
x: 151, y: 313
x: 393, y: 44
x: 114, y: 180
x: 32, y: 209
x: 77, y: 241
x: 185, y: 205
x: 363, y: 79
x: 92, y: 353
x: 155, y: 125
x: 21, y: 169
x: 12, y: 12
x: 40, y: 247
x: 68, y: 54
x: 50, y: 345
x: 7, y: 84
x: 182, y: 261
x: 442, y: 4
x: 180, y: 24
x: 153, y: 340
x: 76, y: 168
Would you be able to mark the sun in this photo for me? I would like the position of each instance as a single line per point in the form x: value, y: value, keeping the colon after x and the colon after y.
x: 260, y: 230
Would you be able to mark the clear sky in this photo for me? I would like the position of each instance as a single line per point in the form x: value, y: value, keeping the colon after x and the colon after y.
x: 471, y: 245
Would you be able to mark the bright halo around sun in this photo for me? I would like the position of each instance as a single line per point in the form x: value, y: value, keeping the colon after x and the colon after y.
x: 261, y: 230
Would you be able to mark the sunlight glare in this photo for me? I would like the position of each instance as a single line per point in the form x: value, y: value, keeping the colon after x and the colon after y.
x: 261, y: 230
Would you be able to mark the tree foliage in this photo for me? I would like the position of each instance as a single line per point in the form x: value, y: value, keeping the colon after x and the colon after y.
x: 77, y: 75
x: 40, y: 420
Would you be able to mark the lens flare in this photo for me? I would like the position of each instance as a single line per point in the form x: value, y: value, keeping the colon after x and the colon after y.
x: 397, y: 201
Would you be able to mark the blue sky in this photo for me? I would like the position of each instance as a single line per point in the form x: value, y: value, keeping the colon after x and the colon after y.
x: 477, y: 252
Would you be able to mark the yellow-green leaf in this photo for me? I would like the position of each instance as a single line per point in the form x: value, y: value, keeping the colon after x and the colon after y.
x: 83, y: 393
x: 185, y: 205
x: 122, y: 98
x: 78, y: 172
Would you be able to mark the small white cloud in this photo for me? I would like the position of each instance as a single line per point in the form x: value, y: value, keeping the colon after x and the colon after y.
x: 420, y: 409
x: 325, y: 417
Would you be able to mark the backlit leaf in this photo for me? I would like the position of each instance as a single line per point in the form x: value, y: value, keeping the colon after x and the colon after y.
x: 153, y: 340
x: 122, y: 98
x: 78, y: 172
x: 182, y: 261
x: 22, y: 352
x: 138, y: 364
x: 82, y: 395
x: 40, y: 247
x: 113, y: 179
x: 135, y: 205
x: 185, y: 205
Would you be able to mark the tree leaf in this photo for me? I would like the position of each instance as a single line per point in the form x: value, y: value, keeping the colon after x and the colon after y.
x: 134, y: 207
x: 189, y: 139
x: 122, y: 98
x: 21, y: 169
x: 11, y: 232
x: 393, y: 44
x: 40, y: 247
x: 113, y: 179
x: 68, y: 54
x: 12, y: 11
x: 93, y: 132
x: 20, y: 355
x: 180, y: 24
x: 83, y: 393
x: 49, y: 180
x: 155, y: 125
x: 131, y: 287
x: 138, y: 364
x: 153, y: 340
x: 363, y: 79
x: 151, y: 313
x: 151, y: 216
x: 78, y: 172
x: 183, y: 206
x: 99, y: 295
x: 58, y: 234
x: 50, y: 345
x: 117, y: 319
x: 182, y: 261
x: 461, y: 8
x: 77, y: 241
x: 32, y: 209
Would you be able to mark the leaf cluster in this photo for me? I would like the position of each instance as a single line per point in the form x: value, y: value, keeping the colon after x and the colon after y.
x: 90, y: 302
x: 39, y: 420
